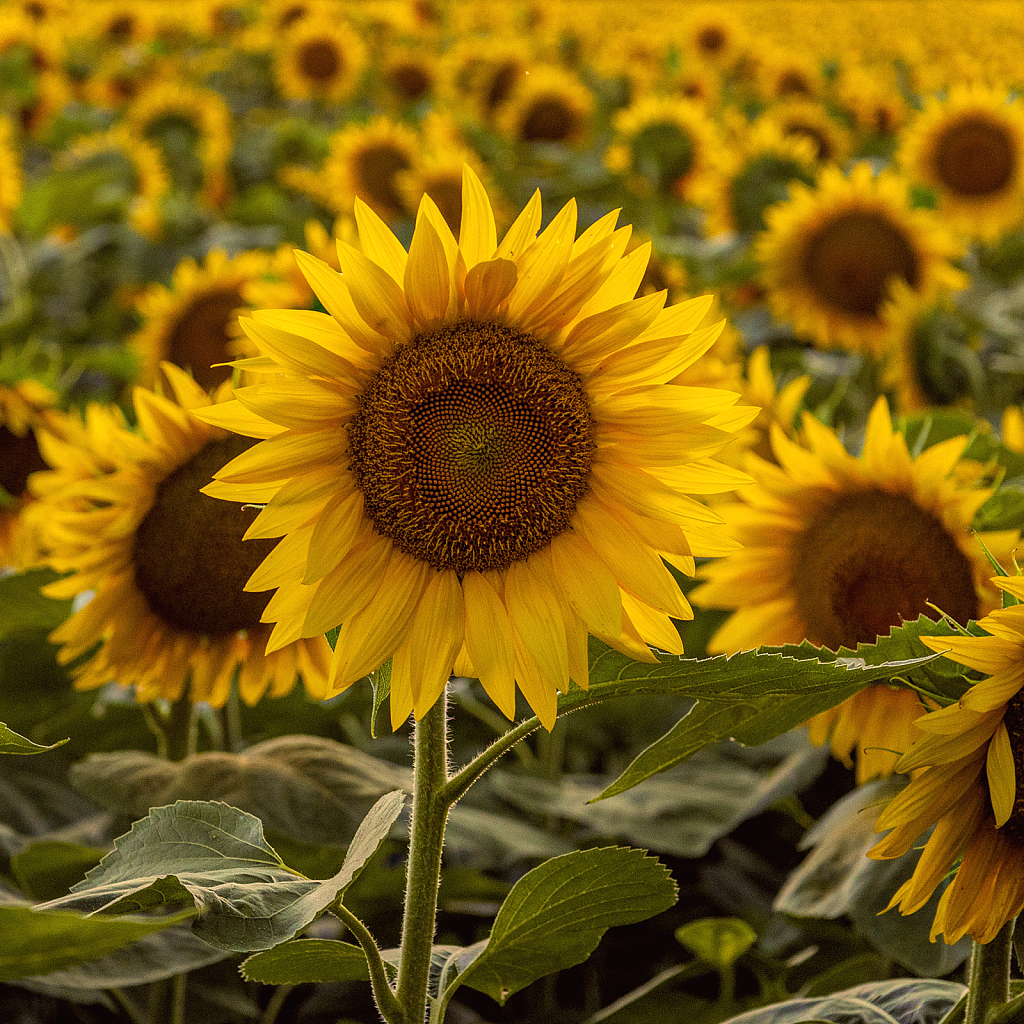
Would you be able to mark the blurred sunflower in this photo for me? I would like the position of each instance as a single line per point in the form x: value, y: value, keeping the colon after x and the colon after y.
x: 365, y: 161
x: 666, y: 142
x: 503, y: 64
x: 548, y: 105
x: 838, y: 549
x: 970, y: 788
x: 716, y: 35
x: 201, y: 111
x: 409, y: 74
x: 806, y: 119
x: 1011, y: 428
x: 785, y: 75
x: 169, y: 604
x: 26, y: 406
x: 11, y: 178
x: 194, y: 323
x: 40, y: 41
x: 481, y: 457
x: 874, y: 100
x: 831, y: 254
x: 969, y: 148
x: 319, y: 58
x: 438, y: 173
x: 746, y: 178
x: 115, y: 22
x: 145, y: 172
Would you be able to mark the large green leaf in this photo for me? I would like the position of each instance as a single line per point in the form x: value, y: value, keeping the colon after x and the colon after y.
x: 313, y: 789
x: 307, y: 960
x: 750, y: 696
x: 24, y: 609
x: 48, y: 869
x: 215, y: 857
x: 555, y: 916
x: 13, y: 743
x: 37, y: 941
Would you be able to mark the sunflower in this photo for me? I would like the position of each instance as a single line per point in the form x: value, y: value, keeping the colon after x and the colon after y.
x: 26, y: 406
x: 838, y: 549
x: 969, y: 148
x: 666, y: 142
x: 716, y: 36
x: 549, y: 105
x: 969, y: 788
x: 874, y: 100
x: 169, y: 604
x: 205, y: 112
x: 320, y: 58
x: 475, y: 457
x: 11, y: 177
x: 115, y: 22
x: 1011, y: 428
x: 42, y: 42
x: 193, y: 324
x: 785, y: 75
x: 805, y: 119
x: 746, y: 178
x: 409, y: 74
x: 364, y: 162
x: 830, y: 256
x: 145, y: 167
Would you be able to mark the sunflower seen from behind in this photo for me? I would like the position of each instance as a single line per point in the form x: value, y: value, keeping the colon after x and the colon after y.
x: 970, y: 786
x: 838, y: 549
x: 475, y: 457
x: 123, y: 516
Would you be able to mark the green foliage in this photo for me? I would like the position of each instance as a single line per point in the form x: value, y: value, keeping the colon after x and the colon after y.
x: 214, y: 857
x: 556, y: 914
x: 24, y: 609
x: 13, y: 743
x: 307, y: 960
x: 719, y: 941
x: 48, y: 869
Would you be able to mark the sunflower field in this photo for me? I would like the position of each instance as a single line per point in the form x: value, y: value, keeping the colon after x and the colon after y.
x: 511, y: 512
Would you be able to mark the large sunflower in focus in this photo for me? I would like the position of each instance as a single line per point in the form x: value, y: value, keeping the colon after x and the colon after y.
x: 969, y: 147
x: 837, y: 549
x: 123, y: 515
x: 476, y: 459
x: 831, y: 254
x: 970, y: 788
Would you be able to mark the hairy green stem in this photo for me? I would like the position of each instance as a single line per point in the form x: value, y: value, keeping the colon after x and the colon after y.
x: 461, y: 781
x: 426, y: 840
x: 180, y: 730
x: 990, y: 976
x: 383, y: 994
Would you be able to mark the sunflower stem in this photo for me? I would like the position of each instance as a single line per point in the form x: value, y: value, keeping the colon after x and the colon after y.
x: 990, y: 976
x: 180, y: 730
x: 426, y: 841
x: 461, y: 781
x: 389, y: 1007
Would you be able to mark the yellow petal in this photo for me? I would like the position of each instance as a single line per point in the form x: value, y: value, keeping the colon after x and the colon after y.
x: 542, y: 266
x: 427, y: 282
x: 477, y: 236
x: 298, y: 404
x: 488, y: 285
x: 540, y: 694
x: 379, y: 243
x: 598, y: 336
x: 536, y: 618
x: 1002, y: 784
x: 234, y: 416
x: 377, y: 298
x: 587, y: 583
x: 438, y: 629
x: 489, y: 641
x: 295, y: 504
x: 334, y: 532
x: 349, y: 586
x: 285, y: 455
x: 298, y: 353
x: 523, y: 231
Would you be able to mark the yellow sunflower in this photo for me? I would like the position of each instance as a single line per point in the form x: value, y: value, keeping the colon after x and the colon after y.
x: 666, y: 142
x: 969, y: 148
x: 11, y: 178
x: 26, y: 407
x: 409, y: 74
x: 115, y: 22
x: 874, y: 99
x: 41, y: 41
x: 548, y: 105
x: 785, y: 75
x: 716, y: 36
x: 837, y: 549
x: 169, y: 606
x: 193, y: 324
x: 805, y: 119
x: 830, y: 255
x: 364, y: 162
x: 150, y: 183
x: 320, y: 58
x: 1011, y: 428
x: 205, y: 111
x: 969, y: 788
x: 475, y: 459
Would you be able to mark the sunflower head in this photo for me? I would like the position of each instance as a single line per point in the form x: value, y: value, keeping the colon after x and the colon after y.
x: 320, y: 58
x: 551, y: 105
x: 480, y: 455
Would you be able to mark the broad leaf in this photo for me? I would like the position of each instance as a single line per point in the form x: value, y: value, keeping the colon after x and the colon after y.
x: 719, y: 941
x: 555, y: 916
x: 24, y: 609
x: 215, y: 857
x: 37, y: 941
x: 48, y: 869
x: 307, y: 960
x: 492, y: 841
x: 313, y: 789
x: 13, y: 743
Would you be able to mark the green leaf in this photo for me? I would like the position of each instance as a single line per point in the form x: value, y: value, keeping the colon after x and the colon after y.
x: 14, y: 743
x: 23, y: 608
x: 35, y: 941
x: 307, y: 960
x: 381, y: 680
x: 49, y: 869
x: 752, y: 696
x: 215, y: 857
x: 555, y: 916
x: 719, y: 941
x: 310, y: 788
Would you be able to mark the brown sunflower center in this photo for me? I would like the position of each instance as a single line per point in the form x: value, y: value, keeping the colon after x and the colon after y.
x: 472, y: 446
x: 121, y: 28
x: 711, y: 40
x: 19, y: 456
x: 377, y: 166
x: 975, y: 157
x: 851, y: 259
x: 870, y: 560
x: 793, y: 82
x: 199, y: 337
x: 189, y: 558
x: 823, y: 147
x: 503, y: 80
x: 548, y: 119
x: 447, y: 194
x: 319, y: 60
x: 1013, y: 719
x: 411, y: 81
